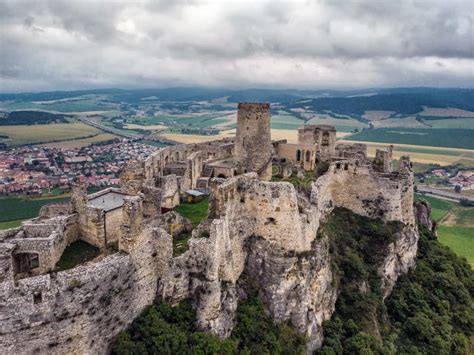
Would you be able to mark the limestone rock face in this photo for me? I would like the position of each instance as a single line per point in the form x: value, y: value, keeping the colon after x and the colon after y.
x: 423, y: 214
x: 262, y: 238
x: 296, y: 287
x: 401, y: 256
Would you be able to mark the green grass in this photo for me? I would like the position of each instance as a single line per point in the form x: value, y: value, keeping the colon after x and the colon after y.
x: 454, y: 138
x: 458, y: 239
x: 180, y: 243
x: 77, y: 253
x: 465, y: 217
x: 18, y: 208
x: 466, y: 123
x: 195, y: 212
x: 11, y: 224
x: 438, y: 207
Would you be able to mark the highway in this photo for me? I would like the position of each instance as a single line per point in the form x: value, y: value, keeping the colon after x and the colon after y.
x: 443, y: 193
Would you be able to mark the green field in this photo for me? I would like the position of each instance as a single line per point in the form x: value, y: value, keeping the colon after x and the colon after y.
x: 456, y: 227
x: 459, y: 239
x: 43, y: 133
x: 15, y: 209
x: 439, y: 208
x: 454, y: 138
x: 465, y: 123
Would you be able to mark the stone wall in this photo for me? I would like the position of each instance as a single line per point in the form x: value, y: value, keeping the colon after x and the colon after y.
x: 51, y: 210
x: 301, y: 154
x: 113, y: 222
x: 81, y: 310
x: 47, y: 239
x: 253, y: 144
x: 354, y: 185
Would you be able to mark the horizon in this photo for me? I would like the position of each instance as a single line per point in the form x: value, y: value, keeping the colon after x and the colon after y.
x: 349, y: 90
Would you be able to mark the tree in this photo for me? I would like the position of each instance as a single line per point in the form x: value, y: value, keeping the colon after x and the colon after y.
x: 457, y: 188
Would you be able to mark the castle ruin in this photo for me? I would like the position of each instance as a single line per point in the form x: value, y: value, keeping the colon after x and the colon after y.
x: 266, y: 230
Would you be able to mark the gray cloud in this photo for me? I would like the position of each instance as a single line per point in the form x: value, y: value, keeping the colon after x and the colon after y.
x: 63, y: 44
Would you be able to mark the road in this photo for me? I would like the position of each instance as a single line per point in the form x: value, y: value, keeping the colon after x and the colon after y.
x: 443, y: 193
x: 109, y: 129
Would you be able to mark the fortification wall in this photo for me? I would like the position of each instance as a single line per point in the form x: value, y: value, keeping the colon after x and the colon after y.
x: 81, y: 310
x: 54, y: 209
x: 153, y: 166
x: 368, y: 193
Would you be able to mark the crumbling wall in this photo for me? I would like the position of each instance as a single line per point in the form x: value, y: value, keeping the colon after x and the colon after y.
x: 301, y: 154
x: 170, y: 191
x: 92, y: 226
x: 51, y: 210
x: 47, y: 239
x: 81, y: 310
x: 354, y: 185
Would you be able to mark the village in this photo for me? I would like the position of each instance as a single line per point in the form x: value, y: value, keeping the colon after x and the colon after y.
x: 33, y: 170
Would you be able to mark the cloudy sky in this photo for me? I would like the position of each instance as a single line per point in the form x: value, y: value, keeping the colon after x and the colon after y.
x: 50, y: 45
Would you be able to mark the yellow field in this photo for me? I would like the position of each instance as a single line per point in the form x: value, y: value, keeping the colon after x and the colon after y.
x: 79, y: 143
x: 195, y: 138
x: 152, y: 127
x: 420, y: 157
x: 46, y: 132
x: 277, y: 134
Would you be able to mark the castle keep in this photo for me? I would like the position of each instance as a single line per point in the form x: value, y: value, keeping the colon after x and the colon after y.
x: 265, y: 230
x: 253, y: 150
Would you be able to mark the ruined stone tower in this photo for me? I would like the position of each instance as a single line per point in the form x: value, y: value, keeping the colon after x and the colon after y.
x: 323, y: 136
x: 253, y: 145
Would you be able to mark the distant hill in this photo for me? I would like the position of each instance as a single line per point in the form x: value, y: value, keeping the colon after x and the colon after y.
x: 31, y: 117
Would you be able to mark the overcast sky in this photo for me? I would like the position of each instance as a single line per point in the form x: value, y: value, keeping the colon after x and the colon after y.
x: 50, y: 45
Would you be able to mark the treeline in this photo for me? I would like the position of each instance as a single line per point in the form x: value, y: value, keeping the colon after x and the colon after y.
x: 32, y: 117
x: 163, y: 329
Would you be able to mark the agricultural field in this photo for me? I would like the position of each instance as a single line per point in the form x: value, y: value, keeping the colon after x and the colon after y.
x: 464, y: 123
x: 455, y: 225
x: 18, y: 135
x: 422, y: 154
x: 81, y: 142
x: 342, y: 125
x: 453, y: 138
x: 405, y: 122
x: 291, y: 135
x: 13, y: 210
x: 151, y: 127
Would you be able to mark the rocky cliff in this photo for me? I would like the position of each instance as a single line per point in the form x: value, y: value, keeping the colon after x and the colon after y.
x: 265, y: 238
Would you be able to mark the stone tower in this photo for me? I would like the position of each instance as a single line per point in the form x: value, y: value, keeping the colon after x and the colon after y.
x: 253, y: 146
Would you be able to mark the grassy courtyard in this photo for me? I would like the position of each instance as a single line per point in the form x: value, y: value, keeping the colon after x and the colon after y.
x: 75, y: 254
x: 195, y: 212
